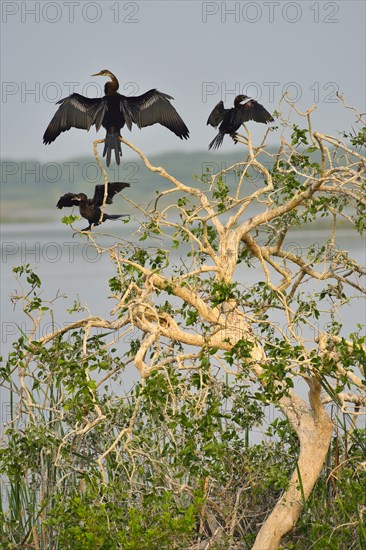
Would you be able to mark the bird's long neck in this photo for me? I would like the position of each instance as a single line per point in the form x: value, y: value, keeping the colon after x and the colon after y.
x: 112, y: 86
x: 83, y: 200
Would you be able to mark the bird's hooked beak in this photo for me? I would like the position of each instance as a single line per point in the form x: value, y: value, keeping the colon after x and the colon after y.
x: 104, y: 72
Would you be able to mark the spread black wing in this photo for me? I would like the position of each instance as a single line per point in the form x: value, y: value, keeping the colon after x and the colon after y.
x: 252, y: 110
x: 76, y: 111
x: 154, y: 107
x: 67, y: 200
x: 113, y: 189
x: 217, y: 114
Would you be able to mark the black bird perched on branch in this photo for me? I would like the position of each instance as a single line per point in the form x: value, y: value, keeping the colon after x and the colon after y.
x: 232, y: 119
x: 90, y: 208
x: 113, y: 111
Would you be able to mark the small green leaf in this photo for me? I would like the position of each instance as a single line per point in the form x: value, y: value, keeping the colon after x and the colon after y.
x: 69, y: 220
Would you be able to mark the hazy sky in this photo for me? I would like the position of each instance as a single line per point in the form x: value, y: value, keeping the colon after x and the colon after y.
x: 199, y: 52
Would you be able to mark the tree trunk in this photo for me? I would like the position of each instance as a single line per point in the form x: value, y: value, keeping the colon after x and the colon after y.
x: 314, y: 431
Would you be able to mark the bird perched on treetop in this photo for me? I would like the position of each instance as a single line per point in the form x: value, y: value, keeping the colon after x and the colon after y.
x: 90, y: 208
x: 231, y: 119
x: 113, y: 111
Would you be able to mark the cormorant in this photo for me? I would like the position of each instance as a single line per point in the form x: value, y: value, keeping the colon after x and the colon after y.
x: 90, y: 208
x: 113, y: 111
x: 232, y: 119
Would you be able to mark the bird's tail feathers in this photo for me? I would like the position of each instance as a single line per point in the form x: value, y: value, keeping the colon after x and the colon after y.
x: 112, y: 142
x: 217, y: 141
x: 114, y: 216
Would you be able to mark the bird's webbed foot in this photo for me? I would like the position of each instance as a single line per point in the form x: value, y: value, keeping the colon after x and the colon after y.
x: 87, y: 229
x: 239, y: 138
